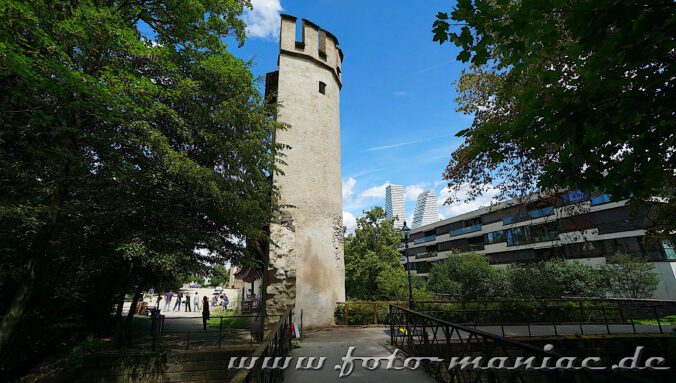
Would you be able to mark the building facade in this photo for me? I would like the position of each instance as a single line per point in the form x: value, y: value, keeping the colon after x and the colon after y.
x: 305, y: 262
x: 394, y: 204
x: 426, y: 211
x: 572, y: 225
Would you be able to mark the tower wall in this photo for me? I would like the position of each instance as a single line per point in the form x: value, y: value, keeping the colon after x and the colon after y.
x: 308, y: 252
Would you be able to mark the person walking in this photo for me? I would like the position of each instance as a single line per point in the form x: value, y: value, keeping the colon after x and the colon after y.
x: 205, y: 312
x: 225, y: 302
x: 167, y: 301
x: 177, y: 305
x: 196, y: 302
x: 187, y: 303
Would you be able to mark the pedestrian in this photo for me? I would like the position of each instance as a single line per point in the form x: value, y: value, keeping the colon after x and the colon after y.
x: 167, y: 300
x: 225, y: 302
x: 177, y: 305
x: 187, y: 302
x: 205, y: 312
x: 196, y: 302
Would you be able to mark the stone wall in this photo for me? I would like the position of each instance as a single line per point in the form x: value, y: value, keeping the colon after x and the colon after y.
x: 165, y: 366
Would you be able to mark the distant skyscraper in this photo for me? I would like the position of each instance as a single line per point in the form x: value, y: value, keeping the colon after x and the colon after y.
x: 425, y: 209
x: 394, y: 204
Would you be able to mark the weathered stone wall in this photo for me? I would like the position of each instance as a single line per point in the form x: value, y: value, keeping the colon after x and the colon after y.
x: 281, y: 289
x: 306, y: 259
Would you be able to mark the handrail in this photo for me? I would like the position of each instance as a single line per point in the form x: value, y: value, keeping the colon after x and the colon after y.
x: 420, y: 335
x: 280, y: 342
x: 484, y: 334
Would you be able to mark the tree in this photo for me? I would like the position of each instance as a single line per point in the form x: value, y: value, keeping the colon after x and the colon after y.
x: 555, y: 278
x: 219, y: 276
x: 372, y: 268
x: 122, y: 151
x: 574, y: 94
x: 629, y: 277
x: 392, y: 284
x: 468, y: 276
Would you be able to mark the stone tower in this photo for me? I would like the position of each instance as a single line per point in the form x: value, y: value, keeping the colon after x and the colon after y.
x: 306, y: 267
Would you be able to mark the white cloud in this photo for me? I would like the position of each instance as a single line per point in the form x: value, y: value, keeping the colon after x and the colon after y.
x: 349, y: 221
x: 400, y: 93
x: 263, y: 20
x: 411, y: 192
x: 375, y: 191
x: 376, y: 148
x: 461, y: 207
x: 348, y: 187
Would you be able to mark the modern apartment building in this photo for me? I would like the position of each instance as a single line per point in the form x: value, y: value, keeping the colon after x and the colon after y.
x: 394, y: 204
x: 572, y: 225
x: 426, y: 211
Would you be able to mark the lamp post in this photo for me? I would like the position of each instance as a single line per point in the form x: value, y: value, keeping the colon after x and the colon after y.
x: 406, y: 231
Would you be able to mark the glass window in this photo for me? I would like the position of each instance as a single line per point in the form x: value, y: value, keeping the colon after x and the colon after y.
x: 496, y: 237
x: 600, y: 199
x: 574, y: 197
x: 669, y: 249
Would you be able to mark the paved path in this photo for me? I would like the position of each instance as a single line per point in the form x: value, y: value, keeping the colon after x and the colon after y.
x: 184, y: 328
x: 334, y: 344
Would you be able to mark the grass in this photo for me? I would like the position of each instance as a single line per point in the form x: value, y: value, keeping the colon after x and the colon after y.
x: 667, y: 320
x: 229, y: 320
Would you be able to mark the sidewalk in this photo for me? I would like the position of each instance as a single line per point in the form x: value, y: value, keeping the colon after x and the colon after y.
x: 334, y: 343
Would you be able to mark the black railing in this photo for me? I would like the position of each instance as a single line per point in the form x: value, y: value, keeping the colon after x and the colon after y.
x: 529, y: 317
x: 276, y: 344
x: 188, y: 332
x: 420, y: 335
x: 573, y: 318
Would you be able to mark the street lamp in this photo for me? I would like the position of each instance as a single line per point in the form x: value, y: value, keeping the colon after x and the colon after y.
x: 406, y: 231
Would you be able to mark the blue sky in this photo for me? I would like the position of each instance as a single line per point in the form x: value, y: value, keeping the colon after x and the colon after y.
x: 398, y: 119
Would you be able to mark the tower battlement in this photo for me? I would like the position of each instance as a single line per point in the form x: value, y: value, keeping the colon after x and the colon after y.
x: 315, y: 43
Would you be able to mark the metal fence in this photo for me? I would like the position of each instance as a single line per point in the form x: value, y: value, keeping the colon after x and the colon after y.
x: 276, y: 344
x: 547, y: 319
x: 188, y: 332
x: 420, y: 335
x: 527, y: 317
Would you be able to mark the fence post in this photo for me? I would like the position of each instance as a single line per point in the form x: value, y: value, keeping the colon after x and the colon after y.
x: 392, y: 339
x: 347, y: 314
x: 220, y: 332
x: 657, y: 316
x: 605, y: 317
x: 375, y: 313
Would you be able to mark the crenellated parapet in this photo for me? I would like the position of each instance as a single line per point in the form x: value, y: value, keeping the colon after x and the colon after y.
x: 314, y: 43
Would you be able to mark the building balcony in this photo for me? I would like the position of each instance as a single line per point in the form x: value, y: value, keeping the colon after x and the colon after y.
x: 428, y: 254
x: 429, y: 238
x: 531, y: 214
x: 465, y: 230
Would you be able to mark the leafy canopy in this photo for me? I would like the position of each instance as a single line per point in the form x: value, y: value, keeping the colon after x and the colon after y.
x: 372, y: 268
x: 565, y: 94
x: 123, y: 153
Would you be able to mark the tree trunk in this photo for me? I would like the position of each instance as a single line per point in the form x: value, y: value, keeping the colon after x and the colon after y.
x: 118, y: 310
x: 132, y: 310
x: 37, y: 250
x: 16, y: 309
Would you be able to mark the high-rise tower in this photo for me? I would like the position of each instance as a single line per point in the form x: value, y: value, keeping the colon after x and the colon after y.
x: 394, y: 204
x: 306, y: 267
x: 425, y: 209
